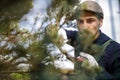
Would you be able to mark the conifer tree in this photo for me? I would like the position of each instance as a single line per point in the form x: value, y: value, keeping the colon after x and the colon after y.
x: 12, y: 38
x: 56, y: 11
x: 37, y: 52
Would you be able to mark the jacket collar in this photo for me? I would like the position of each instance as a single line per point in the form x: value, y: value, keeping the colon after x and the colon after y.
x: 102, y: 38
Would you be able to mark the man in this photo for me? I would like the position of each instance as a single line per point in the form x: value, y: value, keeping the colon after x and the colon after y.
x: 89, y: 15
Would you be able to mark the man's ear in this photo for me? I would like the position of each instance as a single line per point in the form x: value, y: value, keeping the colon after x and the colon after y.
x: 101, y: 23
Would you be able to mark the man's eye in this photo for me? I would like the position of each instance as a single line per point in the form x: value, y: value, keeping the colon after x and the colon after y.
x: 90, y: 20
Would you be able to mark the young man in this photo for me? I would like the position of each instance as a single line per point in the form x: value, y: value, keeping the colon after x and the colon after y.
x: 90, y: 16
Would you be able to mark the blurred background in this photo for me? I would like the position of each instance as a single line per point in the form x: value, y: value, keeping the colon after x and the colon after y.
x: 111, y: 25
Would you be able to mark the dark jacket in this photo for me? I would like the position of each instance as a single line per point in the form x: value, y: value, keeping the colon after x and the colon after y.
x: 110, y: 59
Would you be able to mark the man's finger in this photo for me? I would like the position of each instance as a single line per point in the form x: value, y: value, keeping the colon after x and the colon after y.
x: 80, y: 59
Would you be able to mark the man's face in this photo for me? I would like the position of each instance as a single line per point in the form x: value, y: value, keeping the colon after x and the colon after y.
x: 89, y: 21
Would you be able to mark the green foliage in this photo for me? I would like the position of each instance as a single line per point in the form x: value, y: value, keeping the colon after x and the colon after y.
x: 52, y: 35
x: 57, y: 10
x: 82, y: 70
x: 86, y: 44
x: 85, y: 39
x: 90, y: 70
x: 11, y: 50
x: 37, y: 50
x: 18, y: 76
x: 12, y: 10
x: 12, y: 39
x: 61, y: 8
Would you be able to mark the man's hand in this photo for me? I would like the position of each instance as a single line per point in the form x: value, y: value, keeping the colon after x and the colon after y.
x: 85, y: 56
x: 89, y: 64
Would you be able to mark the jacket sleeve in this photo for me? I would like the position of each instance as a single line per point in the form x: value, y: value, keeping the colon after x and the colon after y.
x: 71, y: 35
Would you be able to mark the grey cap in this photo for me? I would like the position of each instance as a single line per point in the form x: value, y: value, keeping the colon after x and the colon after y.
x: 91, y: 6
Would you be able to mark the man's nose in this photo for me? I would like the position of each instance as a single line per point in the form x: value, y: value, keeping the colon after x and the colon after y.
x: 85, y: 25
